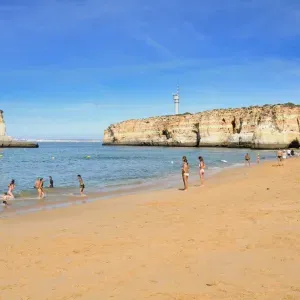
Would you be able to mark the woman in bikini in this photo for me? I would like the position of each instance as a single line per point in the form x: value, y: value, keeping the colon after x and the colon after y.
x: 201, y: 170
x: 11, y: 187
x: 41, y: 189
x: 185, y: 172
x: 81, y: 183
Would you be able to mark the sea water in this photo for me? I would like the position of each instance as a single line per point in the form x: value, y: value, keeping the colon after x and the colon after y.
x: 107, y: 169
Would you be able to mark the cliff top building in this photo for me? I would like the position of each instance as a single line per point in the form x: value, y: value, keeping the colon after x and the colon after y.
x: 176, y: 101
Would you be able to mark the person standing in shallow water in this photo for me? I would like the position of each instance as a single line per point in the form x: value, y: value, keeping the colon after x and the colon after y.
x: 81, y: 185
x: 258, y: 158
x: 185, y: 172
x: 247, y: 159
x: 201, y: 170
x: 11, y: 187
x: 37, y: 186
x: 51, y: 185
x: 41, y: 189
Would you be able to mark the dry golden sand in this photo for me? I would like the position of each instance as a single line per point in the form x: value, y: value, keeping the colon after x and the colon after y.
x: 236, y: 238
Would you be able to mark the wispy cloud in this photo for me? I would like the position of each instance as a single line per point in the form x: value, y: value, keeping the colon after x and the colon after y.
x: 190, y: 28
x: 158, y: 47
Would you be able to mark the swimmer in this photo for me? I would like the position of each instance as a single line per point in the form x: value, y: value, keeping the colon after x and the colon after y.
x: 247, y: 160
x: 258, y: 158
x: 51, y: 185
x: 81, y: 185
x: 11, y: 187
x: 185, y: 172
x: 201, y: 170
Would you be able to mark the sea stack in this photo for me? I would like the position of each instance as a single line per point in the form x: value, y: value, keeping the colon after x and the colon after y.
x: 8, y: 142
x: 257, y: 127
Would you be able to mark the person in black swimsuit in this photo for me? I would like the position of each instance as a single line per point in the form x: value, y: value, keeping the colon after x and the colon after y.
x: 81, y: 184
x: 51, y: 185
x: 247, y: 159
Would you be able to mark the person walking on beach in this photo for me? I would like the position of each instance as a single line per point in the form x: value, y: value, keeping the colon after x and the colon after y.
x: 11, y: 187
x: 81, y: 185
x: 279, y: 157
x: 258, y: 158
x: 247, y: 160
x: 51, y: 185
x: 201, y: 170
x: 185, y: 172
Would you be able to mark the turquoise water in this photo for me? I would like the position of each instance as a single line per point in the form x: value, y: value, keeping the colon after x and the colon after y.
x: 105, y: 168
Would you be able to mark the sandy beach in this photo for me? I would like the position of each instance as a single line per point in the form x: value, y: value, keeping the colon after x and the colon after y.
x: 236, y: 238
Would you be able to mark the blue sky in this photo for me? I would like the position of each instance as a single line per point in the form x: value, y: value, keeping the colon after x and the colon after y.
x: 70, y: 68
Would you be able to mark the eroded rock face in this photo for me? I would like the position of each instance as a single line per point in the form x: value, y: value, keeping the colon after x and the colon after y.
x: 8, y: 142
x: 2, y: 125
x: 267, y: 127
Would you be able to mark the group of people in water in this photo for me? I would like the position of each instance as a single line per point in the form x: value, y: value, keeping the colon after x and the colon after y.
x: 185, y: 170
x: 39, y: 186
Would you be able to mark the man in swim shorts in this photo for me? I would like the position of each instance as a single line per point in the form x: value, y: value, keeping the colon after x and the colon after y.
x: 279, y: 157
x: 247, y: 159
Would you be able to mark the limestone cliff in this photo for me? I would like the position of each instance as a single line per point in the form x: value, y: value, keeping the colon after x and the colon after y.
x: 2, y: 124
x: 8, y: 142
x: 266, y: 127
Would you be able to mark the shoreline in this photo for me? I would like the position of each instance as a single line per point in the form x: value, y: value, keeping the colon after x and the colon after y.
x: 235, y: 238
x: 263, y: 147
x: 52, y: 202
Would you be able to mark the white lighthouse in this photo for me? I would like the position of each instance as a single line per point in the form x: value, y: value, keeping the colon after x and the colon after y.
x: 176, y: 101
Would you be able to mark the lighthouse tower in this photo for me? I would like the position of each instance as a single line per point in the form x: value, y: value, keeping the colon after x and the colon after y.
x: 176, y: 101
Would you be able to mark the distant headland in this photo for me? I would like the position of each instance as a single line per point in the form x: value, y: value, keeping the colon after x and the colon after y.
x: 8, y: 142
x: 257, y: 127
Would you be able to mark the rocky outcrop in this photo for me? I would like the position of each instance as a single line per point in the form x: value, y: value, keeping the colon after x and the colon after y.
x: 2, y: 125
x: 8, y: 142
x: 266, y: 127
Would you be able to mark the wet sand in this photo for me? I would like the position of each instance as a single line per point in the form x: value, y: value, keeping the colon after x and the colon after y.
x: 236, y: 238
